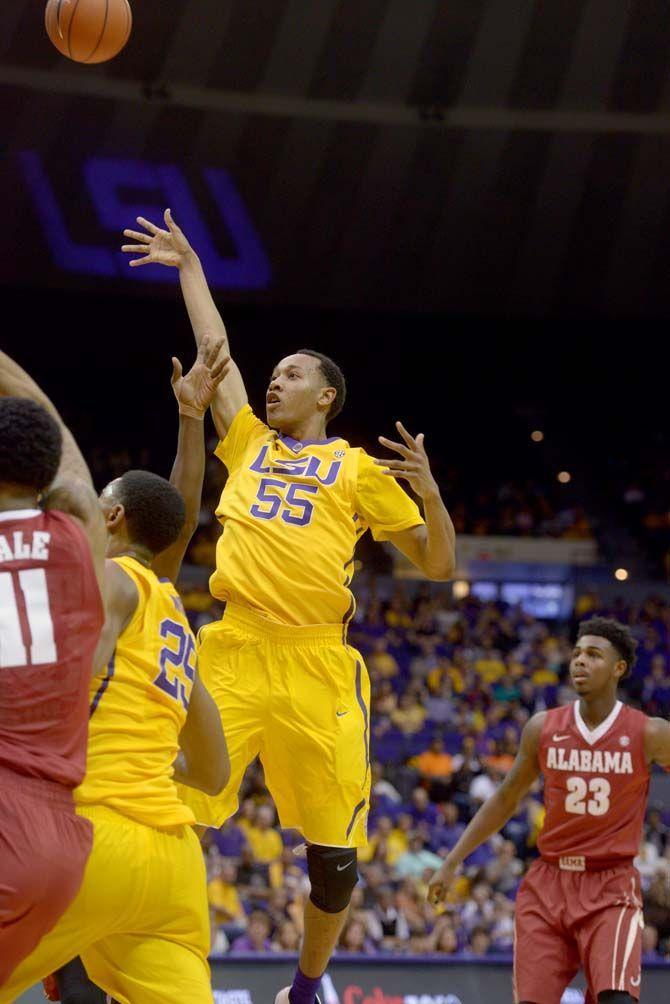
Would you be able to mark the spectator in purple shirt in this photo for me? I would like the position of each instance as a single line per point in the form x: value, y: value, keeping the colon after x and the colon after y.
x: 422, y: 810
x: 257, y: 938
x: 447, y: 830
x: 230, y: 840
x: 656, y: 688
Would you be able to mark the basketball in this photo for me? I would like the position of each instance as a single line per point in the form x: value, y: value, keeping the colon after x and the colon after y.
x: 88, y: 31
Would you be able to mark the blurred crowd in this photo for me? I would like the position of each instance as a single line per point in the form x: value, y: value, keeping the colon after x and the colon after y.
x: 518, y: 508
x: 643, y: 510
x: 452, y: 685
x: 637, y: 477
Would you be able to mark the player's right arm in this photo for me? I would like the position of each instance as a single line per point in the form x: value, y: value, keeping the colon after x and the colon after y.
x: 170, y: 247
x: 495, y: 811
x: 72, y: 489
x: 657, y: 742
x: 203, y: 761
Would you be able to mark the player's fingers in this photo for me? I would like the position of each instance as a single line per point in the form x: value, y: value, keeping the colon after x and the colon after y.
x: 391, y: 445
x: 140, y: 261
x: 148, y: 225
x: 405, y: 435
x: 220, y: 370
x: 134, y: 248
x: 137, y: 236
x: 395, y: 465
x: 404, y: 475
x: 203, y: 350
x: 176, y: 370
x: 212, y: 351
x: 420, y: 442
x: 170, y: 223
x: 435, y: 894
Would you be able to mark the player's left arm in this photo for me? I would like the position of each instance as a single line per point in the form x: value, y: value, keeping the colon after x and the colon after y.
x: 203, y: 760
x: 194, y: 393
x: 121, y: 599
x: 657, y: 742
x: 431, y: 547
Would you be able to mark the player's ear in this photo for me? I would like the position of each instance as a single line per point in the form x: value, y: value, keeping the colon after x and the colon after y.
x: 326, y: 397
x: 115, y: 517
x: 620, y: 668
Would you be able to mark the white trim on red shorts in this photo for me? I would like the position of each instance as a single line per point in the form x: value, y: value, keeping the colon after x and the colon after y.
x: 635, y: 924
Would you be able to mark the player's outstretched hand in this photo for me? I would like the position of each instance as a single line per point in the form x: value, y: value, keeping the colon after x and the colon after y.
x: 442, y: 879
x: 413, y: 465
x: 157, y: 246
x: 195, y: 391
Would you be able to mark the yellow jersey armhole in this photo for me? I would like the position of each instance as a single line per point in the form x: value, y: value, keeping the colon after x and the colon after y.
x: 405, y: 524
x: 143, y: 591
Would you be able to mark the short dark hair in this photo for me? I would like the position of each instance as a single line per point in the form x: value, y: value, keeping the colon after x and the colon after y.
x: 31, y: 444
x: 155, y: 511
x: 333, y: 376
x: 617, y: 634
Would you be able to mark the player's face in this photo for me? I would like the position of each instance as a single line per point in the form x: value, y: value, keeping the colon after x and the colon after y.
x: 295, y: 392
x: 594, y: 664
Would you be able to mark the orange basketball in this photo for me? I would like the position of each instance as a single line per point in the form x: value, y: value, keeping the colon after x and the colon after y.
x: 88, y: 31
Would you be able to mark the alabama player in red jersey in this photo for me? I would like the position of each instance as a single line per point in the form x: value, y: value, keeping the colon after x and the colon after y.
x: 580, y: 902
x: 51, y: 615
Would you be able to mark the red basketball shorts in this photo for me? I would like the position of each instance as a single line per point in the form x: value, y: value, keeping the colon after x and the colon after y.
x: 44, y: 847
x: 571, y: 919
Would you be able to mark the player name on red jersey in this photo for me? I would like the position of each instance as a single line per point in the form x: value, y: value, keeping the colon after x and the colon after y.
x: 589, y: 761
x: 20, y: 546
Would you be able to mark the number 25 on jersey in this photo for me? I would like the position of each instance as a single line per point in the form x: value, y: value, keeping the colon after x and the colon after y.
x: 177, y: 662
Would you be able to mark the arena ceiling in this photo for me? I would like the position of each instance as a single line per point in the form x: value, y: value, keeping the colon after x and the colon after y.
x: 472, y: 155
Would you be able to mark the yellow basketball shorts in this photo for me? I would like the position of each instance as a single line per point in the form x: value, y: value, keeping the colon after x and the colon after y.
x: 299, y: 697
x: 140, y: 920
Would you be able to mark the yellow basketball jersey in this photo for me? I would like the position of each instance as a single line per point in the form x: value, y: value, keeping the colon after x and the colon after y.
x: 138, y: 708
x: 292, y: 513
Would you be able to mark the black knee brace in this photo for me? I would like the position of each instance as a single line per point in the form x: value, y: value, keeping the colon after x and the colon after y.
x: 615, y: 997
x: 75, y: 987
x: 332, y: 872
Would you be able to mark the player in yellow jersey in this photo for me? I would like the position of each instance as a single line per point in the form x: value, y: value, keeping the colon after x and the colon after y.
x: 278, y: 665
x: 140, y: 921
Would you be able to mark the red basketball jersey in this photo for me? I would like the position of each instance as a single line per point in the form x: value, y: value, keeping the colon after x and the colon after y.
x: 51, y: 614
x: 595, y: 786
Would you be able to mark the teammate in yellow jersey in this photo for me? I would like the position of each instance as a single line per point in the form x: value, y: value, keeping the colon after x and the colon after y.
x: 278, y: 665
x: 140, y: 921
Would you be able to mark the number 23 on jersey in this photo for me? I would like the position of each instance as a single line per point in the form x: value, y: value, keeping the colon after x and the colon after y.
x: 592, y: 797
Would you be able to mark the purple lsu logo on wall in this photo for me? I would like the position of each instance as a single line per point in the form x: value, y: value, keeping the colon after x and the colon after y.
x: 106, y: 178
